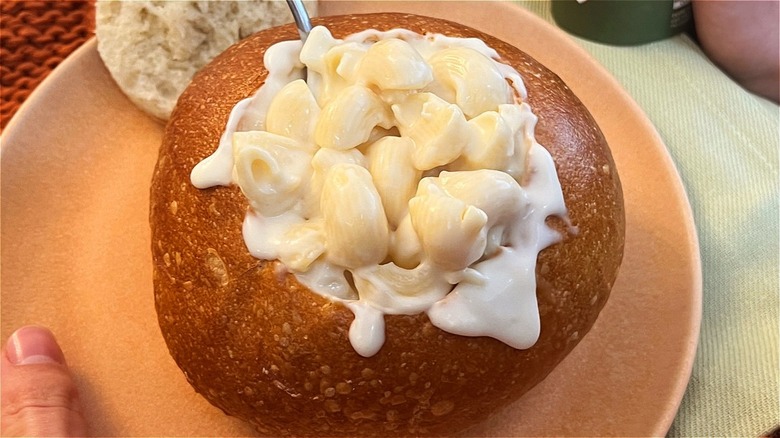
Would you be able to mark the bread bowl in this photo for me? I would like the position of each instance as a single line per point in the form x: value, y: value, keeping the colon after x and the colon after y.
x: 256, y: 342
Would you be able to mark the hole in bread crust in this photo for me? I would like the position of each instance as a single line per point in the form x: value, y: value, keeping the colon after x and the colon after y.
x: 217, y: 267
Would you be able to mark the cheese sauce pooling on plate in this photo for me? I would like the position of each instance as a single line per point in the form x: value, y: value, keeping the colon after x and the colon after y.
x: 384, y: 170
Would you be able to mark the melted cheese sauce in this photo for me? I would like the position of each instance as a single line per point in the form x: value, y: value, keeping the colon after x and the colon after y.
x: 389, y: 180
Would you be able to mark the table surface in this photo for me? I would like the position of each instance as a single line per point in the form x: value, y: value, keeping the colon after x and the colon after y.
x: 723, y: 140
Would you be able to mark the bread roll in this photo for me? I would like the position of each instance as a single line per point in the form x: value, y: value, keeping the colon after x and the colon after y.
x: 152, y: 49
x: 262, y: 347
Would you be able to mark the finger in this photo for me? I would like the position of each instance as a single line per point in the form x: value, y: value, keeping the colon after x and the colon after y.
x: 38, y: 396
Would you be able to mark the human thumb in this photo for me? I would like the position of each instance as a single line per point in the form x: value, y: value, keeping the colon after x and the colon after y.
x: 38, y: 396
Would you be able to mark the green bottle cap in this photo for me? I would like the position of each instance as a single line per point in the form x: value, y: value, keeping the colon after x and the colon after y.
x: 623, y: 22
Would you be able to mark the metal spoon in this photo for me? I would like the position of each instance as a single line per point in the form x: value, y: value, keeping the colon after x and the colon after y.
x: 301, y: 17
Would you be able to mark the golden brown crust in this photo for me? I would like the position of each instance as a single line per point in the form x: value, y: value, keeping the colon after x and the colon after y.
x: 262, y: 347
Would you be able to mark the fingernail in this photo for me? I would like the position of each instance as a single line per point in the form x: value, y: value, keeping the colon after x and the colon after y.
x: 33, y: 344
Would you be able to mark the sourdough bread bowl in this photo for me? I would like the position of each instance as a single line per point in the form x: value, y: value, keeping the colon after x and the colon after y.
x: 261, y: 346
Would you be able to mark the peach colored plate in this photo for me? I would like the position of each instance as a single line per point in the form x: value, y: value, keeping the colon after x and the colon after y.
x: 76, y: 165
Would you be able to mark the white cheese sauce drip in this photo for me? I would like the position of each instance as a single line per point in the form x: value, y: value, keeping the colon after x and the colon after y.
x: 507, y: 298
x: 432, y: 220
x: 217, y: 169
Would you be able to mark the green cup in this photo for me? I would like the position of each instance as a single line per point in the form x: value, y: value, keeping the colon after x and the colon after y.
x: 623, y: 22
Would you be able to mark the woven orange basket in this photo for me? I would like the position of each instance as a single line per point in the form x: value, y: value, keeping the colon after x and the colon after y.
x: 35, y: 36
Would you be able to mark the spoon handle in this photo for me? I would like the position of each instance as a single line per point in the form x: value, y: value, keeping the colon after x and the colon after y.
x: 301, y: 17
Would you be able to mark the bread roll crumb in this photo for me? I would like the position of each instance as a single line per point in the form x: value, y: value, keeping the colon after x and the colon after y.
x: 153, y: 48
